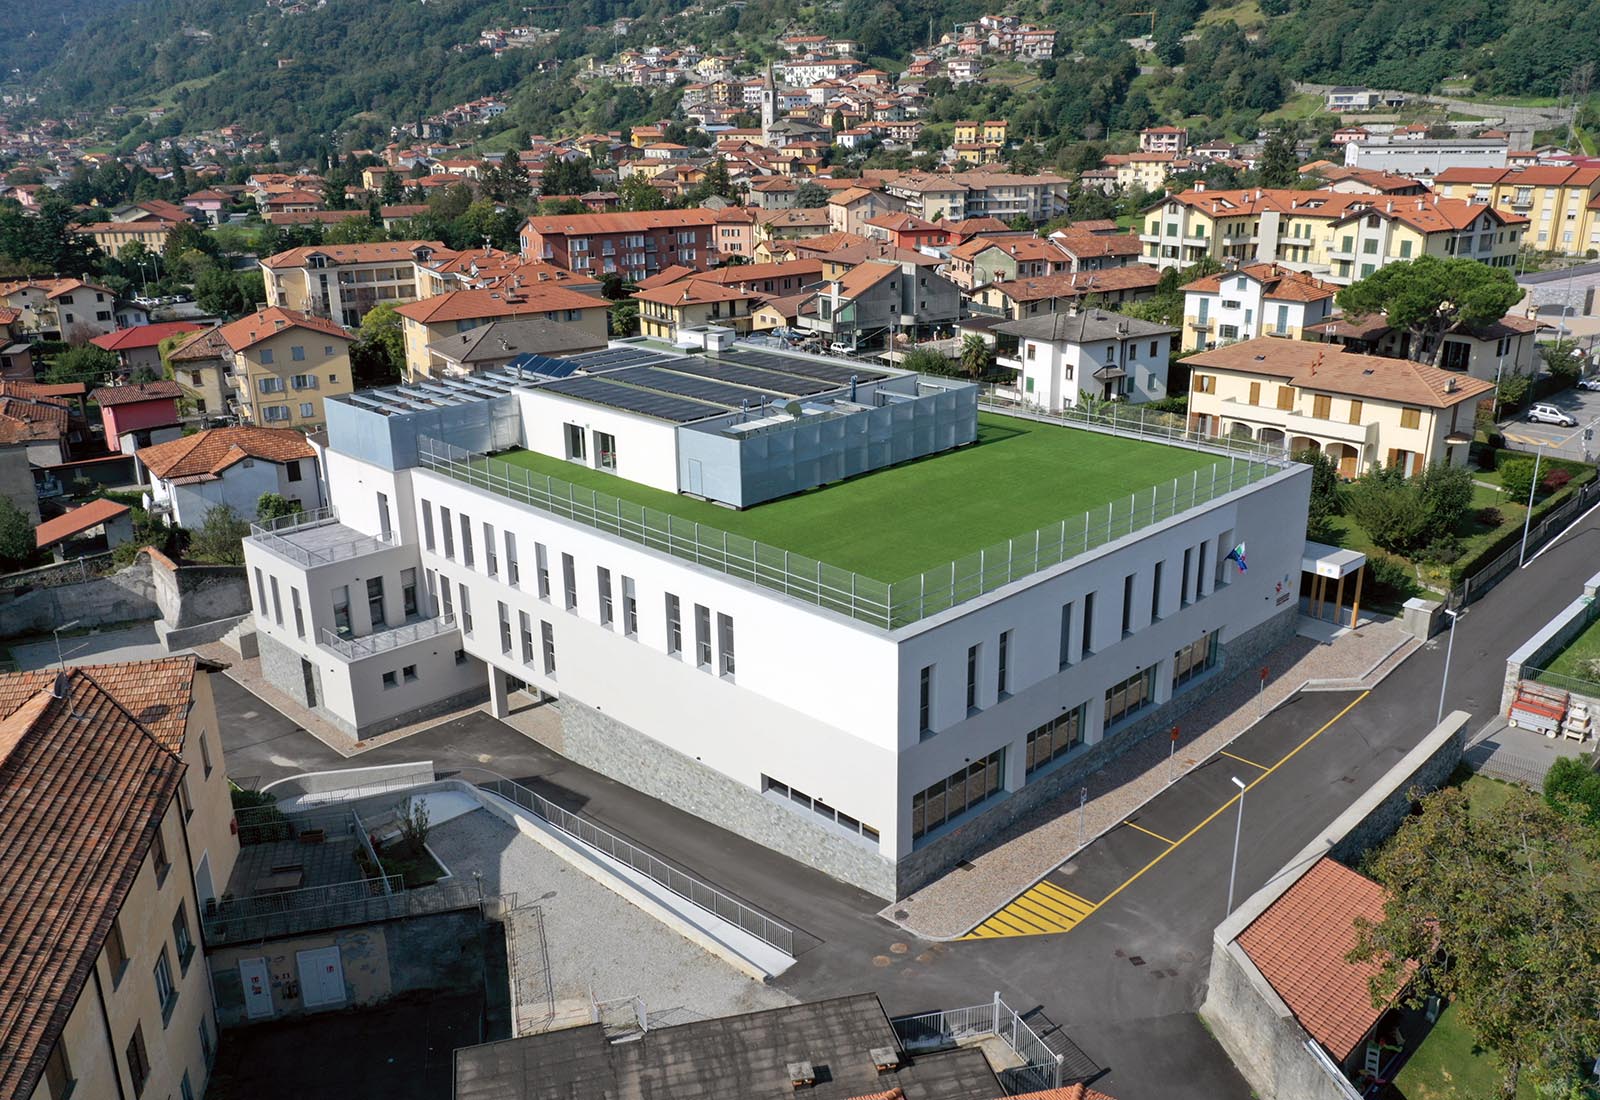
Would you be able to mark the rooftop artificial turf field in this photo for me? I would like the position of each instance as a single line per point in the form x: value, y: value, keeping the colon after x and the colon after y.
x: 892, y: 523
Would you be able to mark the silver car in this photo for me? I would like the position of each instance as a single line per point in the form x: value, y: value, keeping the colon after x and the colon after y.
x: 1549, y: 414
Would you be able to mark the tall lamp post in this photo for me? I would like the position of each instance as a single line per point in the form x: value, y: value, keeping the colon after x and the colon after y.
x: 1444, y: 684
x: 1238, y: 828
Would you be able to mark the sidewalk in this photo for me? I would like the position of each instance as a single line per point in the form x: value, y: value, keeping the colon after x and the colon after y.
x: 247, y: 673
x: 1034, y: 845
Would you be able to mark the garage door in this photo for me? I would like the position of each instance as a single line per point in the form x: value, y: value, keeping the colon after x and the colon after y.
x: 321, y: 977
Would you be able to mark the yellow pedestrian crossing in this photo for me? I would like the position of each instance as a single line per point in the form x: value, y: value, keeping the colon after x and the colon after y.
x: 1042, y: 909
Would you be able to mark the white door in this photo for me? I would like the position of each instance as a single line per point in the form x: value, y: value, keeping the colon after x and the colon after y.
x: 257, y: 988
x: 321, y: 977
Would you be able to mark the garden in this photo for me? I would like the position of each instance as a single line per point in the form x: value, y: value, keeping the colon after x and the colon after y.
x: 1424, y: 535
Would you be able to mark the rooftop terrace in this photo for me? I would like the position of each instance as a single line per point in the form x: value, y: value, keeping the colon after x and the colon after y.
x: 899, y: 544
x: 891, y: 523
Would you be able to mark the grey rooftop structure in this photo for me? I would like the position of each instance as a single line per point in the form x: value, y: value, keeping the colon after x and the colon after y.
x: 825, y: 1050
x: 1086, y: 326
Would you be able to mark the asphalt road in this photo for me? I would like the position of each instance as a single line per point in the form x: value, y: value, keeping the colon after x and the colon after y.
x: 1582, y: 405
x: 1125, y: 980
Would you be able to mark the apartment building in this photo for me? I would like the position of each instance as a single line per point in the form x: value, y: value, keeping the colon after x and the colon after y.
x: 955, y: 196
x: 634, y: 245
x: 116, y: 831
x: 192, y: 474
x: 200, y: 366
x: 1164, y: 139
x: 998, y: 258
x: 1357, y: 409
x: 665, y: 311
x: 344, y: 282
x: 1062, y: 357
x: 284, y: 364
x: 1253, y: 300
x: 69, y: 310
x: 1561, y: 202
x: 1026, y: 297
x: 900, y: 725
x: 876, y: 301
x: 1136, y: 172
x: 1338, y: 236
x: 432, y: 321
x: 1408, y: 155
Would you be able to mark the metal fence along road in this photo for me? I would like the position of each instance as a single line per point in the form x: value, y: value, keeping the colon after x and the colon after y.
x: 1557, y: 521
x: 888, y: 606
x: 684, y: 885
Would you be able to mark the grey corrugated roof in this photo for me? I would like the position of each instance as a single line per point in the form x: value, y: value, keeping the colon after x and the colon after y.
x: 742, y: 1057
x: 537, y: 335
x: 1084, y: 327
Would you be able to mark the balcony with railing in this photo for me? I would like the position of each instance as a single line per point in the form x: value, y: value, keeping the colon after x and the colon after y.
x: 386, y: 641
x: 316, y: 537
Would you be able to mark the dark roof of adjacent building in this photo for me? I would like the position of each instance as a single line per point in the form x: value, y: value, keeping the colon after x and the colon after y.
x: 1085, y: 326
x: 501, y: 340
x: 199, y: 348
x: 83, y: 788
x: 745, y: 1057
x: 162, y: 389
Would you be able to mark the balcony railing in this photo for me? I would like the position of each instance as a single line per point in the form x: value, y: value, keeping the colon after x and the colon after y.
x: 276, y: 534
x: 354, y: 649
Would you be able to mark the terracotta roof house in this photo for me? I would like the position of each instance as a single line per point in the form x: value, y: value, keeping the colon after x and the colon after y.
x: 138, y: 414
x: 138, y: 346
x: 1020, y: 298
x: 502, y: 343
x: 431, y: 320
x: 1255, y: 299
x: 111, y: 779
x: 90, y: 528
x: 234, y: 466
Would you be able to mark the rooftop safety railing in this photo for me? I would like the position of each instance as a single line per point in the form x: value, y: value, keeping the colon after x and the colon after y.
x: 888, y: 606
x: 272, y: 534
x: 353, y: 649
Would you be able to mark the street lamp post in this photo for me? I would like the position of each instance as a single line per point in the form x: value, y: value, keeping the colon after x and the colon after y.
x: 1238, y: 828
x: 1527, y: 520
x: 1450, y: 646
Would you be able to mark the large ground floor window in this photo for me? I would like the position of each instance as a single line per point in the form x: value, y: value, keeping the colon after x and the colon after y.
x: 1055, y: 738
x: 1131, y: 696
x: 957, y: 794
x: 1196, y: 658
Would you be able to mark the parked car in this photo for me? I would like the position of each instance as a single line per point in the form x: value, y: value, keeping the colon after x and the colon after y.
x: 1590, y: 383
x: 1549, y: 414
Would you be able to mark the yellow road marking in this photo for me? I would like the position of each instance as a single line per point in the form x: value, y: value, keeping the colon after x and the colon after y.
x: 1240, y: 759
x: 1147, y: 832
x: 1046, y: 908
x: 1041, y: 909
x: 1219, y: 810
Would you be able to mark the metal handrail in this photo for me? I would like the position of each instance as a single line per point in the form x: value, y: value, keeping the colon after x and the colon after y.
x: 693, y: 890
x: 354, y: 649
x: 310, y: 517
x: 901, y: 603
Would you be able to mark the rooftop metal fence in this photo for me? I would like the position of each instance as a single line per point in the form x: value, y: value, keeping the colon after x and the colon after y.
x: 888, y: 606
x: 271, y: 534
x: 353, y: 649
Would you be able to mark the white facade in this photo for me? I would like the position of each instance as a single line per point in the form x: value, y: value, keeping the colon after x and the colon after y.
x: 1383, y: 153
x: 764, y: 693
x: 241, y: 486
x: 1242, y: 310
x: 1056, y: 374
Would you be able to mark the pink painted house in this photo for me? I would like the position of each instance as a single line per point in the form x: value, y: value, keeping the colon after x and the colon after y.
x: 138, y: 414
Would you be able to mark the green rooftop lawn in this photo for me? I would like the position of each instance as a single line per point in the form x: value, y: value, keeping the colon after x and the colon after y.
x: 893, y: 523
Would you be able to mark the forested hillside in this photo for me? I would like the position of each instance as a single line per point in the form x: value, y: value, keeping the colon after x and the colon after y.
x: 355, y: 67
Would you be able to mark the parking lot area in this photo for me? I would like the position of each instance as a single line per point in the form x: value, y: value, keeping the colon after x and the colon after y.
x: 1582, y: 405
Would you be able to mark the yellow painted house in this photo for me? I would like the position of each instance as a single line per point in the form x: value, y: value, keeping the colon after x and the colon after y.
x: 284, y: 364
x: 1561, y: 202
x: 666, y: 310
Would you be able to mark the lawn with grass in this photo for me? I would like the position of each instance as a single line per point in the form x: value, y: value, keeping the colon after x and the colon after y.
x: 1576, y: 660
x: 892, y: 523
x: 1449, y: 1065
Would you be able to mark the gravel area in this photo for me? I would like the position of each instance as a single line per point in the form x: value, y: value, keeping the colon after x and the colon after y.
x: 595, y: 944
x: 1035, y: 844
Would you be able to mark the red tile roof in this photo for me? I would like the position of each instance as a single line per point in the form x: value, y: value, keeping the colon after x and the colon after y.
x: 1071, y: 1092
x: 200, y: 347
x: 142, y: 336
x: 83, y: 788
x: 1133, y: 277
x: 204, y: 455
x: 248, y: 331
x: 579, y: 225
x: 473, y: 304
x: 1278, y: 284
x: 1299, y: 944
x: 77, y: 521
x: 338, y: 254
x: 161, y: 390
x: 692, y: 292
x: 1328, y: 368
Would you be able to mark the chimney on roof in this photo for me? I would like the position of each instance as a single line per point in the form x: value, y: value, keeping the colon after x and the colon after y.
x: 885, y: 1059
x: 1389, y: 207
x: 801, y: 1075
x: 1450, y: 385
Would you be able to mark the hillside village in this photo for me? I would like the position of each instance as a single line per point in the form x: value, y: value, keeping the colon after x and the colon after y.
x: 725, y: 563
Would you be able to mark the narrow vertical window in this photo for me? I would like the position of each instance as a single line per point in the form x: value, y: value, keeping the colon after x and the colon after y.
x: 674, y: 625
x: 702, y: 636
x: 725, y: 644
x: 925, y: 699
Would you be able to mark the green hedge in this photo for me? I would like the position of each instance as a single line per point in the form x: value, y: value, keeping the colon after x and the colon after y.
x: 1470, y: 563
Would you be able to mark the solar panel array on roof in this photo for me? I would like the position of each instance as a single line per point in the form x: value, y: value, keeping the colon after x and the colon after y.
x: 542, y: 366
x: 838, y: 374
x: 662, y: 406
x: 790, y: 385
x: 616, y: 357
x: 691, y: 386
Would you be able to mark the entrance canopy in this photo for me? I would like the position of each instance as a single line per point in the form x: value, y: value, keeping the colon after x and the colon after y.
x: 1320, y: 564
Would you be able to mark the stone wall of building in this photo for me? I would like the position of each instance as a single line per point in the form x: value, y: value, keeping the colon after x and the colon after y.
x: 611, y: 748
x: 1241, y: 656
